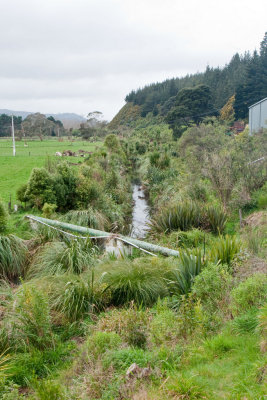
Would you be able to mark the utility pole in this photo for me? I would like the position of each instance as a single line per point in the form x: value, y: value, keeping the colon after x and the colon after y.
x: 13, y: 136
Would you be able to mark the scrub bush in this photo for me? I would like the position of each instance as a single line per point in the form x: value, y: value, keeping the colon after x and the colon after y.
x: 3, y: 217
x: 13, y: 257
x: 251, y: 293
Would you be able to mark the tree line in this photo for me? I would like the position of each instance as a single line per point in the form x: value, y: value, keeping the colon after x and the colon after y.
x: 245, y: 76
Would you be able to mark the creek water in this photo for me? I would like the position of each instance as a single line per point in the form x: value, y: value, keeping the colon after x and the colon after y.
x: 141, y: 219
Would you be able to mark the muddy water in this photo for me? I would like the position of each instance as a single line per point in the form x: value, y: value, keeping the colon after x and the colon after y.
x: 140, y: 213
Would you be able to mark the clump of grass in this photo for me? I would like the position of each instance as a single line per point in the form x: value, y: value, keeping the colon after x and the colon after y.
x: 3, y: 217
x: 138, y: 281
x: 71, y: 256
x: 13, y: 257
x: 89, y: 218
x: 180, y: 279
x: 245, y: 323
x: 27, y: 321
x: 225, y: 249
x: 249, y: 294
x: 182, y: 216
x: 76, y: 296
x: 215, y: 218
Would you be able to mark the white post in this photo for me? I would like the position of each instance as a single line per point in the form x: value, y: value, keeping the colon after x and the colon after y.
x: 13, y: 137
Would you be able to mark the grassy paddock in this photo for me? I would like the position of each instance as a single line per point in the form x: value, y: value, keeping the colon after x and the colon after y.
x: 14, y: 171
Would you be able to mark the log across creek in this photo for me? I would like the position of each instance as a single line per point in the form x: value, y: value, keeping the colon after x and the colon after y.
x: 95, y: 233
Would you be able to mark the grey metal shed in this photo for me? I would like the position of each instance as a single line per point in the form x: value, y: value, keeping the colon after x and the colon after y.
x: 258, y: 116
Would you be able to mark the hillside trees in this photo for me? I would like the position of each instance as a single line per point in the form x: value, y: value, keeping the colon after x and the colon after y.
x: 254, y: 85
x: 192, y: 104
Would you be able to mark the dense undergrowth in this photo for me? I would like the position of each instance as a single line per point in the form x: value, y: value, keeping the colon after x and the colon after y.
x: 74, y: 319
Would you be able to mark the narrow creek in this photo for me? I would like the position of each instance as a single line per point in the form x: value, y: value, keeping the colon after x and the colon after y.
x: 141, y: 219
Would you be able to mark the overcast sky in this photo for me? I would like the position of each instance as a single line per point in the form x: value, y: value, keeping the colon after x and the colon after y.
x: 86, y: 55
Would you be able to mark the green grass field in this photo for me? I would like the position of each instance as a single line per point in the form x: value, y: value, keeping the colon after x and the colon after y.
x: 14, y: 171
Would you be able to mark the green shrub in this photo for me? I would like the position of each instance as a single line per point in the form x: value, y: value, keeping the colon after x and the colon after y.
x: 246, y: 323
x: 262, y: 201
x: 89, y: 218
x: 26, y: 367
x: 13, y: 257
x: 212, y: 286
x: 31, y: 323
x: 71, y: 256
x: 123, y: 358
x: 251, y: 293
x: 186, y: 388
x: 219, y: 345
x: 136, y: 281
x: 181, y: 216
x: 21, y: 193
x: 48, y: 209
x: 225, y: 249
x: 180, y: 280
x: 164, y: 327
x: 48, y: 390
x: 130, y: 323
x: 100, y: 342
x: 215, y: 218
x: 192, y: 238
x: 76, y: 296
x: 3, y: 217
x: 40, y: 188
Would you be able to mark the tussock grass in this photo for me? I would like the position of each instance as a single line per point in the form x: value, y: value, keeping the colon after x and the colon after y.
x: 89, y: 218
x: 13, y: 257
x: 139, y: 281
x: 70, y: 256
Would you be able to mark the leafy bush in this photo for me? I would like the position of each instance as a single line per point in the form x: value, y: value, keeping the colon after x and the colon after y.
x: 164, y: 327
x: 180, y: 280
x: 3, y: 217
x: 130, y: 323
x: 192, y: 238
x: 30, y: 323
x: 181, y: 216
x: 13, y: 257
x: 252, y: 293
x: 26, y: 367
x: 48, y: 209
x: 211, y: 286
x: 225, y: 249
x: 40, y: 188
x: 100, y: 342
x: 21, y: 193
x: 137, y: 281
x: 71, y: 256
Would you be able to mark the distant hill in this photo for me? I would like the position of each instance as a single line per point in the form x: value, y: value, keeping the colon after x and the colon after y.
x: 69, y: 120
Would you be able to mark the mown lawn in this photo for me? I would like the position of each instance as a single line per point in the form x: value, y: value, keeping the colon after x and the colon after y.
x: 14, y: 171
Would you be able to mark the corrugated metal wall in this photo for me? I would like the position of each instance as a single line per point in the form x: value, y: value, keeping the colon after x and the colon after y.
x: 258, y: 116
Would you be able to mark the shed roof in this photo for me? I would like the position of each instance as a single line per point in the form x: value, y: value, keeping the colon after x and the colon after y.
x: 258, y: 102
